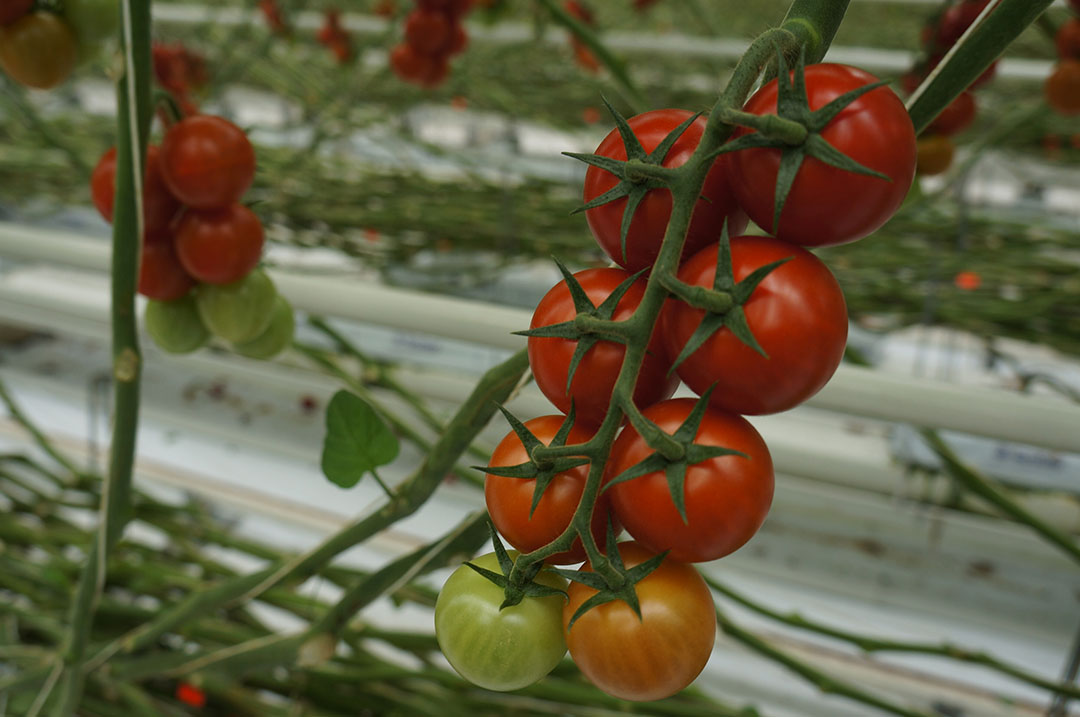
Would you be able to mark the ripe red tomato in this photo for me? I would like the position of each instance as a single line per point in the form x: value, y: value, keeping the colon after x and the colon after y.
x: 38, y: 50
x: 418, y: 68
x: 827, y: 205
x: 1067, y: 39
x: 595, y: 376
x: 12, y: 10
x: 797, y: 313
x: 935, y: 155
x: 428, y: 31
x: 652, y: 657
x: 727, y: 498
x: 219, y: 246
x: 509, y: 499
x: 956, y: 20
x: 956, y: 117
x: 1062, y: 88
x: 161, y: 276
x: 159, y: 205
x: 207, y: 161
x: 651, y: 217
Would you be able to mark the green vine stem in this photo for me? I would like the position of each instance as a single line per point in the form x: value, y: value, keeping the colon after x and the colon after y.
x: 133, y: 125
x: 977, y: 49
x: 873, y: 644
x: 585, y: 34
x: 972, y: 481
x: 815, y: 23
x: 827, y: 684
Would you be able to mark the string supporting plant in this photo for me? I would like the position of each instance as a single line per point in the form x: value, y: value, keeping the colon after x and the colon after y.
x: 701, y: 470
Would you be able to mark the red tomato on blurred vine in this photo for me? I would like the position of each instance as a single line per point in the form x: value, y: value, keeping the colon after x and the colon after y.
x: 207, y: 161
x: 159, y: 205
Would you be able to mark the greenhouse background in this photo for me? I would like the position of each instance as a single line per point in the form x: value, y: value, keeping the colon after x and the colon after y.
x: 921, y: 553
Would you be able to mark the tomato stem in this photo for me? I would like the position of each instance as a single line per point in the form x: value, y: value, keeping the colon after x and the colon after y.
x: 772, y: 126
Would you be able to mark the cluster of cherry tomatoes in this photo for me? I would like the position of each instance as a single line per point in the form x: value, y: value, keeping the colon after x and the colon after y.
x: 41, y: 48
x: 797, y: 317
x: 1062, y: 87
x: 940, y: 33
x: 433, y: 34
x: 200, y: 245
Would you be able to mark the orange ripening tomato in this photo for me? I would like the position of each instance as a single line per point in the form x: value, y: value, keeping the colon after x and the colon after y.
x: 650, y: 657
x: 38, y: 50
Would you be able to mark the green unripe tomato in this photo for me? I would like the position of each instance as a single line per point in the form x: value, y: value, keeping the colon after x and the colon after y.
x: 498, y: 649
x: 93, y: 21
x: 240, y: 311
x: 175, y: 326
x: 277, y: 335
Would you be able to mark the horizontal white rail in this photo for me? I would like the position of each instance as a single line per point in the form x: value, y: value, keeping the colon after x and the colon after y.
x: 993, y: 413
x: 666, y: 43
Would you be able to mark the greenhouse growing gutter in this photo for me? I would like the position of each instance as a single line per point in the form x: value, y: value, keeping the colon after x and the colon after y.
x: 863, y: 392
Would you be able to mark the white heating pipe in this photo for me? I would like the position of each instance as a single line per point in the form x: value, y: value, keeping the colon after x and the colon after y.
x: 1037, y: 421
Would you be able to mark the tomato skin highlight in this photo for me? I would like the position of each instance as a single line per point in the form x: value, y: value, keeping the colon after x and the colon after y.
x: 827, y: 205
x: 797, y: 314
x: 650, y: 658
x: 727, y: 498
x: 207, y: 161
x: 497, y: 649
x: 509, y: 499
x: 595, y: 376
x: 159, y: 205
x: 651, y: 216
x: 38, y: 50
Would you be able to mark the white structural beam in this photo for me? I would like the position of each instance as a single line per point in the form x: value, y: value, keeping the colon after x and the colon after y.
x: 1037, y: 421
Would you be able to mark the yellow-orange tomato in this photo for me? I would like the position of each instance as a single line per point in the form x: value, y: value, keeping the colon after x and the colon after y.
x: 38, y: 50
x: 935, y: 155
x: 652, y: 657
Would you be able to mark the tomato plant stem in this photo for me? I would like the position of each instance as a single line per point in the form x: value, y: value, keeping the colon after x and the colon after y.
x: 133, y: 125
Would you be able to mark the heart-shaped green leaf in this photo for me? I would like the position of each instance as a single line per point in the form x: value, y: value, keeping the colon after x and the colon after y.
x: 357, y: 440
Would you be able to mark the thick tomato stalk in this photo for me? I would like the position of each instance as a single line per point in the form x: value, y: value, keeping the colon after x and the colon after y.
x: 797, y: 314
x: 647, y: 229
x: 509, y: 500
x: 727, y: 498
x: 598, y: 370
x: 650, y: 657
x: 827, y: 205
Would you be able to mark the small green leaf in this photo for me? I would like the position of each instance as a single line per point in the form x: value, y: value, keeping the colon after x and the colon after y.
x: 357, y: 440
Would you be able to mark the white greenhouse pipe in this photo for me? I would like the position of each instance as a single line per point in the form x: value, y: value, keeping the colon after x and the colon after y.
x: 667, y: 43
x: 987, y: 412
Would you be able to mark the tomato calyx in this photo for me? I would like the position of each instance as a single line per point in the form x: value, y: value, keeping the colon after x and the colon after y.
x: 592, y: 323
x: 518, y: 590
x: 638, y: 175
x: 610, y: 578
x: 723, y: 304
x: 793, y: 107
x: 539, y: 468
x: 674, y: 468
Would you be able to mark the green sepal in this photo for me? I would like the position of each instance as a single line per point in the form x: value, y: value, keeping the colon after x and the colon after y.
x: 792, y: 103
x: 514, y: 594
x: 633, y: 191
x: 529, y: 470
